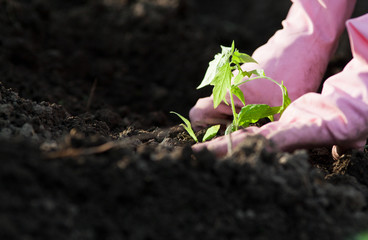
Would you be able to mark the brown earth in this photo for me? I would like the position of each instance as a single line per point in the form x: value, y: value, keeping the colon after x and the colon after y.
x: 89, y: 151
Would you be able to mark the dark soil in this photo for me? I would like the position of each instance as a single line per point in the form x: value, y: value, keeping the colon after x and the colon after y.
x: 89, y: 151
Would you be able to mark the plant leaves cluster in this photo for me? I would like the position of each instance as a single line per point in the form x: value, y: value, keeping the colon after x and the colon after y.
x: 220, y: 75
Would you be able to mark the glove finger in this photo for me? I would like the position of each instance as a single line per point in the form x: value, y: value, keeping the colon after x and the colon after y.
x: 203, y: 114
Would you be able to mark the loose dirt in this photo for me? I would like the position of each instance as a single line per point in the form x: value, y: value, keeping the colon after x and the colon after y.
x: 89, y: 151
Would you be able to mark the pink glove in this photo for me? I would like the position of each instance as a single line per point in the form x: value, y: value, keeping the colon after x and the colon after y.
x: 339, y: 115
x: 297, y: 55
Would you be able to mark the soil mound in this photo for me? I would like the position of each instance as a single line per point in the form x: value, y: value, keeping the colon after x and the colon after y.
x: 89, y: 151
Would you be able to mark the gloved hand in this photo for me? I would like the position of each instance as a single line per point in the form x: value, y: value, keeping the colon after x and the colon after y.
x: 339, y: 115
x: 297, y: 55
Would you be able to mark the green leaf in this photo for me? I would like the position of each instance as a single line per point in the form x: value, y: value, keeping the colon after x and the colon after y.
x: 211, y: 133
x: 237, y: 79
x: 240, y: 58
x: 258, y: 72
x: 286, y: 99
x: 215, y: 65
x: 187, y: 126
x: 237, y: 92
x: 232, y: 47
x: 251, y: 113
x: 227, y: 51
x: 271, y: 117
x: 221, y: 82
x: 211, y: 71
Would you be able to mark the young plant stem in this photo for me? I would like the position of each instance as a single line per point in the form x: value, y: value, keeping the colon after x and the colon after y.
x: 254, y: 78
x: 264, y: 77
x: 229, y: 145
x: 235, y: 121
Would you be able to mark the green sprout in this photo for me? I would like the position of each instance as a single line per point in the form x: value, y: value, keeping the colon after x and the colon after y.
x: 220, y: 75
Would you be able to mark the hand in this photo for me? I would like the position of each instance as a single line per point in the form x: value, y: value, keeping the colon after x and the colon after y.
x: 311, y: 25
x: 337, y: 116
x: 203, y: 114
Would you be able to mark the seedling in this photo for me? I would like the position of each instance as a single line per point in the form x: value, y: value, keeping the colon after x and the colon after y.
x: 220, y: 75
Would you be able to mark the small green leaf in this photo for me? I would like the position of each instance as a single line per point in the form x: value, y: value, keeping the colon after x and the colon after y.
x: 226, y: 52
x: 221, y: 82
x: 232, y: 47
x: 211, y: 133
x: 251, y: 113
x: 237, y: 79
x: 258, y: 72
x: 187, y: 126
x: 237, y: 92
x: 240, y: 58
x: 271, y: 117
x: 211, y: 71
x: 216, y: 64
x: 287, y: 100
